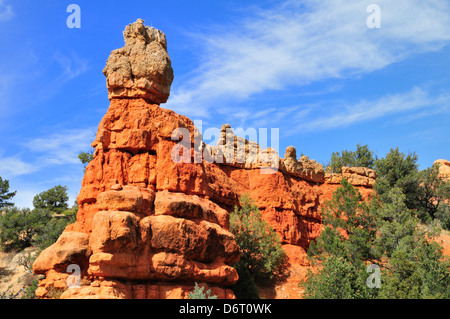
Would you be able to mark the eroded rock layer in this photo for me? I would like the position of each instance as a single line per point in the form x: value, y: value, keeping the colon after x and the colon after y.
x: 153, y: 215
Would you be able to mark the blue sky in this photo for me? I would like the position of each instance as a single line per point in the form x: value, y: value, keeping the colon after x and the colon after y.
x: 311, y: 68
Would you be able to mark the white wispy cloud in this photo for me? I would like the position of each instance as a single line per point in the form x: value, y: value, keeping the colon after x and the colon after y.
x: 412, y: 105
x: 12, y: 166
x: 67, y: 67
x: 60, y: 148
x: 72, y: 66
x: 35, y: 79
x: 6, y: 11
x: 48, y: 151
x: 40, y: 156
x: 326, y: 115
x: 300, y: 42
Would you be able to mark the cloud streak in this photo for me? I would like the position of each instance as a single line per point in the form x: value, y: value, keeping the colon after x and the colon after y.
x: 14, y: 166
x: 302, y: 42
x: 411, y: 105
x: 36, y: 79
x: 60, y: 148
x: 48, y: 151
x: 6, y: 11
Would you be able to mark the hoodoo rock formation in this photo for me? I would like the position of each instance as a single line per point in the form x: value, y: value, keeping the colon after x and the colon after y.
x: 150, y: 226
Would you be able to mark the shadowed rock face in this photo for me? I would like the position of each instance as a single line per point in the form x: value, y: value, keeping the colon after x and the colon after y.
x: 149, y: 226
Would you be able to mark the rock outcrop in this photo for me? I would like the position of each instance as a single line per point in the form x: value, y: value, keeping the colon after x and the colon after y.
x: 444, y: 169
x: 145, y: 227
x: 153, y: 212
x: 357, y: 176
x: 304, y: 168
x: 142, y: 67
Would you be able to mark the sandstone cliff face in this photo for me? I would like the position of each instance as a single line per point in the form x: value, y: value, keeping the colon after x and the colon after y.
x: 149, y: 225
x: 145, y: 227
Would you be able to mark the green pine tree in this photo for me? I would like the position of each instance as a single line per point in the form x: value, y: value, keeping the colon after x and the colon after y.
x: 261, y: 252
x: 5, y: 194
x: 362, y: 157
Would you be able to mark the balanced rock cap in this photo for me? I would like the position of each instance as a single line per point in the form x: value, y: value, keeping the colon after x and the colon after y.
x: 142, y: 68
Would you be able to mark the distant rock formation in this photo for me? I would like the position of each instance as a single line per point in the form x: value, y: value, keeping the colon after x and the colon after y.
x: 151, y: 227
x: 303, y: 167
x: 357, y: 176
x: 444, y: 169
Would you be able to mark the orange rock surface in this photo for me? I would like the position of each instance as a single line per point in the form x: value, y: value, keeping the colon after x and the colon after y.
x: 444, y: 168
x: 151, y: 225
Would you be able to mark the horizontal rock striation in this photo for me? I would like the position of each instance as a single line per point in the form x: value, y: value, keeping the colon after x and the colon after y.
x: 357, y: 176
x: 153, y: 215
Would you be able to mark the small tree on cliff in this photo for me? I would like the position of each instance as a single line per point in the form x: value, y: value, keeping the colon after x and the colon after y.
x: 346, y: 243
x: 85, y: 158
x: 337, y: 279
x: 21, y: 228
x: 261, y: 252
x: 432, y: 192
x: 414, y: 264
x: 18, y: 227
x: 54, y: 200
x: 198, y: 293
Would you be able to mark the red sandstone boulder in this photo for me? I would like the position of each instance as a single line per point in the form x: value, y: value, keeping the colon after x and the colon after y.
x: 71, y: 247
x: 190, y: 207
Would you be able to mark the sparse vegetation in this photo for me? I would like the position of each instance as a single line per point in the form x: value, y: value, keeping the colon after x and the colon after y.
x: 261, y: 252
x: 54, y: 200
x: 361, y: 157
x: 394, y: 230
x: 199, y: 294
x: 38, y: 227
